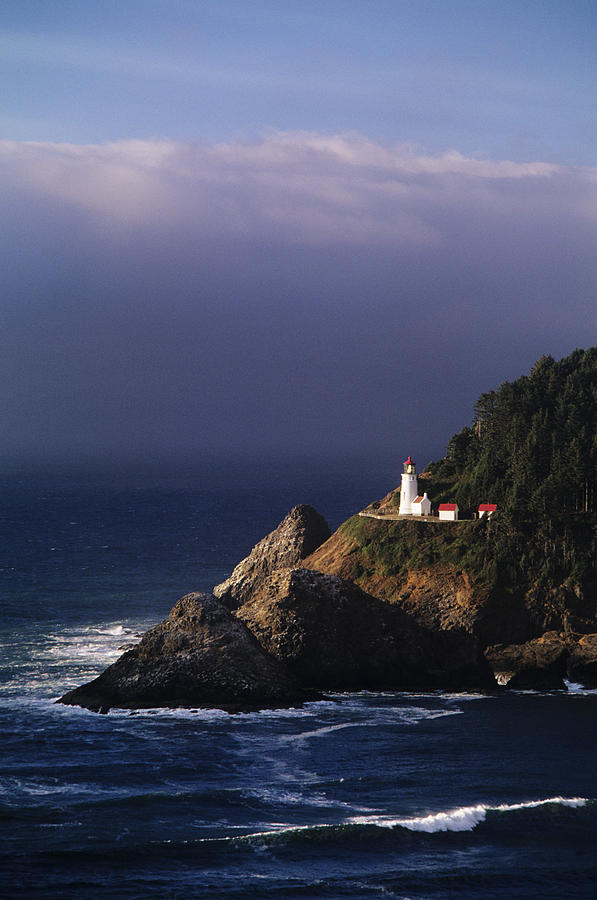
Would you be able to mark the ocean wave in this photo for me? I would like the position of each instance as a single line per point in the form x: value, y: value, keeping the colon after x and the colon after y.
x: 64, y: 657
x: 464, y: 818
x: 93, y: 643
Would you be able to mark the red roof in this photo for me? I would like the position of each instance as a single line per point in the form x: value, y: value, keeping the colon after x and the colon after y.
x: 487, y: 507
x: 409, y: 461
x: 417, y: 499
x: 447, y: 507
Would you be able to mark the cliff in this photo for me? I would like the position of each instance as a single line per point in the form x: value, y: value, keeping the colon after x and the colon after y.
x: 431, y: 570
x: 443, y: 577
x: 334, y: 636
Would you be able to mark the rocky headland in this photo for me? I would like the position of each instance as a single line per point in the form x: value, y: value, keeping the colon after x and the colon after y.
x: 308, y: 612
x: 388, y: 602
x: 532, y: 637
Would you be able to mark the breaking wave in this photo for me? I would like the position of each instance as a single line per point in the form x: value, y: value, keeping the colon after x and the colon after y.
x: 464, y: 818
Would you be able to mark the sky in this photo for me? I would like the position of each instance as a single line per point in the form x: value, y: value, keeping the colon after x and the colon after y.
x: 311, y: 228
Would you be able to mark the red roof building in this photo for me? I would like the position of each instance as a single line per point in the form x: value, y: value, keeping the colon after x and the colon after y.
x: 486, y: 509
x: 448, y: 512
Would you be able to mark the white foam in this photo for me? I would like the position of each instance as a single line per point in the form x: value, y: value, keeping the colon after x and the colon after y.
x: 273, y: 830
x: 465, y: 697
x: 531, y: 804
x: 285, y: 797
x: 14, y: 789
x: 320, y: 732
x: 204, y: 715
x: 574, y: 687
x: 239, y: 719
x: 62, y: 658
x: 464, y: 818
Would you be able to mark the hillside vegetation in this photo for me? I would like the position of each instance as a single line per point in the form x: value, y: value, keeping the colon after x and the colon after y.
x: 532, y: 449
x: 532, y: 446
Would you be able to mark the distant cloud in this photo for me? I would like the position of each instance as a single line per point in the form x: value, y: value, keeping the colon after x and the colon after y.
x: 296, y: 187
x: 166, y: 296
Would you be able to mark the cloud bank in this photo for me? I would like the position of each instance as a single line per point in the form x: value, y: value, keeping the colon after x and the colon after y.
x: 300, y: 188
x: 305, y: 292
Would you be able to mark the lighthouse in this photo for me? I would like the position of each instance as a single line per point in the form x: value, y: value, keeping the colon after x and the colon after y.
x: 408, y: 488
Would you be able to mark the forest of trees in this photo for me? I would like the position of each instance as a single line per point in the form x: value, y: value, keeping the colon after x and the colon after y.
x: 532, y: 449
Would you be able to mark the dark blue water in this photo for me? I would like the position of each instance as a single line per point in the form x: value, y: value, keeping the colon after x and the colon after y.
x: 365, y: 795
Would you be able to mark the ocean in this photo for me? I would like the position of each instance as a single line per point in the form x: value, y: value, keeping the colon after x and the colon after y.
x: 396, y: 795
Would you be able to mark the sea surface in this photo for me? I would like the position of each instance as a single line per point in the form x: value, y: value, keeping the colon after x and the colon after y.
x: 363, y: 795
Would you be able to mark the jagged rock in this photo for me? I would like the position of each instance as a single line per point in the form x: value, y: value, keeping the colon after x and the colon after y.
x: 201, y: 656
x: 539, y: 664
x: 297, y: 536
x: 582, y: 661
x: 332, y: 635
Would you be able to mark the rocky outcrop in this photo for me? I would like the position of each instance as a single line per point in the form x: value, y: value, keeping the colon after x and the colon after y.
x: 201, y: 656
x: 374, y: 606
x: 562, y: 608
x: 297, y: 536
x: 334, y: 636
x: 544, y: 663
x: 582, y: 661
x: 539, y: 664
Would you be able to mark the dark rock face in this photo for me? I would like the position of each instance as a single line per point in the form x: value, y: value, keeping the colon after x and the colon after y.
x: 201, y: 656
x: 334, y: 636
x: 582, y: 661
x: 298, y: 535
x: 543, y: 663
x: 539, y: 664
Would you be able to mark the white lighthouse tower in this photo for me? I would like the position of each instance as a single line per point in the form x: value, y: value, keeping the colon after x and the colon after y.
x: 408, y: 488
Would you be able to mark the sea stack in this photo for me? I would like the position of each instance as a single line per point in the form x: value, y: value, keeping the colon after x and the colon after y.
x: 298, y: 535
x: 200, y: 656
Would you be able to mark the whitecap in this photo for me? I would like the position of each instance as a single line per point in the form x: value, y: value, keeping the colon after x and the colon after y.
x: 464, y: 818
x: 532, y: 804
